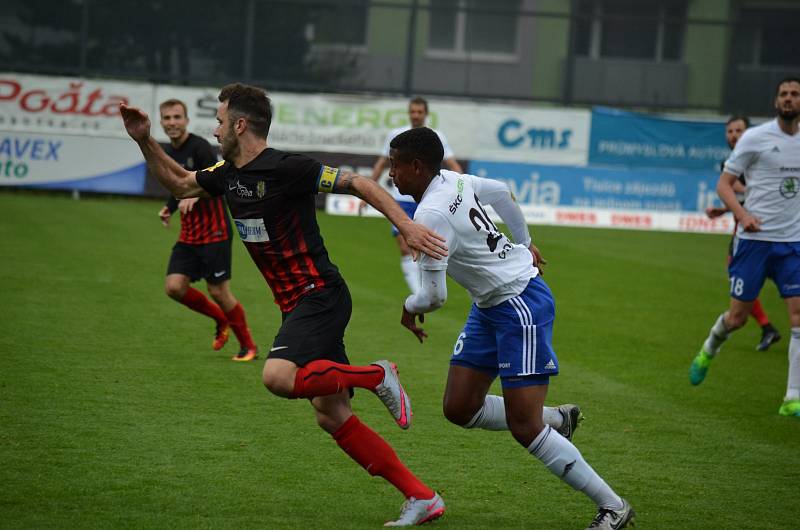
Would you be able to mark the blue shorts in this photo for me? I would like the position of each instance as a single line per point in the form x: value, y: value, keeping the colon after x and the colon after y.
x: 409, y: 208
x: 512, y: 339
x: 754, y: 261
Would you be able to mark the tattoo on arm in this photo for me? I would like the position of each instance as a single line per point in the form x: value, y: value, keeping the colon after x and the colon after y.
x: 345, y: 183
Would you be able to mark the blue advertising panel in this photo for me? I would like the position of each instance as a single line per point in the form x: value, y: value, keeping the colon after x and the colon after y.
x: 620, y: 138
x: 592, y: 187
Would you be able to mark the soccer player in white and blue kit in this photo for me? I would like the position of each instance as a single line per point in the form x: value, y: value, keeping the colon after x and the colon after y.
x: 509, y: 329
x: 768, y: 239
x: 417, y: 116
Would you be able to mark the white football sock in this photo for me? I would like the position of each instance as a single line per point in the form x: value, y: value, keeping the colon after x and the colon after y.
x: 565, y: 461
x: 718, y: 334
x: 410, y: 273
x: 492, y: 416
x: 793, y: 385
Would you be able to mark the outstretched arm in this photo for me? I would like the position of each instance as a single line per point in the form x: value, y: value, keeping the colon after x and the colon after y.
x: 180, y: 182
x: 418, y: 237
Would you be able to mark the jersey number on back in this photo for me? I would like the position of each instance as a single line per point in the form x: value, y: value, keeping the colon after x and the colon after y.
x: 494, y: 236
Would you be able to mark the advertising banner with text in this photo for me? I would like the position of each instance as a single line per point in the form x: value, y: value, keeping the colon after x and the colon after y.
x: 535, y: 136
x: 591, y: 187
x: 359, y: 125
x: 75, y: 162
x: 33, y: 103
x: 621, y: 138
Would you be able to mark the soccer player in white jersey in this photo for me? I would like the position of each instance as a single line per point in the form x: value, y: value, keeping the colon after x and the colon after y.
x: 509, y: 328
x: 768, y: 239
x: 417, y: 116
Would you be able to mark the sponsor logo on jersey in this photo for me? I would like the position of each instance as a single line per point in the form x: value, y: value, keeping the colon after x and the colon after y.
x: 190, y: 163
x: 789, y: 187
x: 241, y: 190
x: 327, y: 178
x: 261, y: 189
x: 252, y: 230
x: 459, y: 198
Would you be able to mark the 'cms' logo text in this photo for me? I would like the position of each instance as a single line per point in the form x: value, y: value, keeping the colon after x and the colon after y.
x: 513, y: 134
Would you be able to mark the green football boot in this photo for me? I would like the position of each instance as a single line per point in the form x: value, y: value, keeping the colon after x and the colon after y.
x: 699, y: 367
x: 790, y: 408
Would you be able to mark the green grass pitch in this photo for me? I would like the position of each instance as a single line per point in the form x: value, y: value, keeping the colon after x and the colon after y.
x: 115, y: 412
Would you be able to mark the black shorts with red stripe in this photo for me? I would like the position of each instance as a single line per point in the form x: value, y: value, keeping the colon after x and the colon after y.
x: 314, y: 329
x: 211, y: 262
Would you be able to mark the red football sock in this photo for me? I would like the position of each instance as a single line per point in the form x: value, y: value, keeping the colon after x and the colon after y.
x: 366, y: 447
x: 238, y: 323
x: 194, y: 299
x: 322, y: 378
x: 759, y: 314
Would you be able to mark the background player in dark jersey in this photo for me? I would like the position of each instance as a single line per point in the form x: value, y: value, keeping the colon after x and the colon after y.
x: 203, y: 249
x: 270, y: 194
x: 734, y: 129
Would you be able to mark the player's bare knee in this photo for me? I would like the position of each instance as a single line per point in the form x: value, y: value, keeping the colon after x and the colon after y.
x: 175, y: 290
x: 457, y: 413
x: 277, y: 382
x: 524, y: 430
x: 330, y: 422
x: 735, y: 319
x: 222, y: 295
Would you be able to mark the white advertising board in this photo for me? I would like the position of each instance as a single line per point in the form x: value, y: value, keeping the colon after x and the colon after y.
x: 34, y: 103
x: 583, y: 217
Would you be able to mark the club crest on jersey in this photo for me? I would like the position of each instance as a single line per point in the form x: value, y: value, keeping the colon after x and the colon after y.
x: 789, y: 187
x: 252, y: 230
x: 261, y: 189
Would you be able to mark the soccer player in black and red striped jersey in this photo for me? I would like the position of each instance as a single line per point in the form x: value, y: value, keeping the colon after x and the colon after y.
x: 203, y: 249
x: 270, y: 194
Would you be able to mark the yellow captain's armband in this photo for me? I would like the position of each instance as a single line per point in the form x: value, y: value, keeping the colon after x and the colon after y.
x: 215, y: 166
x: 327, y: 179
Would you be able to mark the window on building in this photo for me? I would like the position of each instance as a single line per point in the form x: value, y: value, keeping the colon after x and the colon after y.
x: 342, y: 22
x: 767, y: 37
x: 649, y: 30
x: 41, y: 35
x: 472, y: 26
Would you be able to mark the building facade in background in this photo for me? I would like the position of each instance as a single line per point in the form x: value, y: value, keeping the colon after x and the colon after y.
x: 697, y: 55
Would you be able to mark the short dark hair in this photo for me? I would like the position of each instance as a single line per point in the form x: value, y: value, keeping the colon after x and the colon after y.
x: 421, y: 143
x: 419, y: 101
x: 249, y: 102
x: 171, y: 103
x: 735, y: 117
x: 786, y: 80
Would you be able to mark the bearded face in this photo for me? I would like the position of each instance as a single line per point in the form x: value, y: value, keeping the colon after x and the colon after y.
x: 787, y: 102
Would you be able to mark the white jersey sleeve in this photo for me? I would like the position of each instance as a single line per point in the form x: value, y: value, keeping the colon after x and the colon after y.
x: 742, y: 156
x: 498, y: 196
x: 437, y: 222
